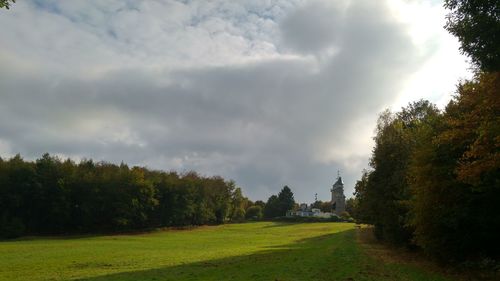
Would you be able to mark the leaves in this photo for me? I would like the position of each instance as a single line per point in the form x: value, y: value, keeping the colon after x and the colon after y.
x: 476, y: 24
x: 55, y: 196
x: 435, y: 175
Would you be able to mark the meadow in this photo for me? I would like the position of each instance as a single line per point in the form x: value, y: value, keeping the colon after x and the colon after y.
x: 248, y: 251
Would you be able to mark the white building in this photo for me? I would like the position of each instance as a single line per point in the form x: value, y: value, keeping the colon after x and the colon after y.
x: 337, y: 204
x: 308, y: 212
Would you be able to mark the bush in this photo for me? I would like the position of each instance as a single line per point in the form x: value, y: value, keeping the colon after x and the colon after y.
x: 345, y: 215
x: 239, y: 215
x: 254, y: 213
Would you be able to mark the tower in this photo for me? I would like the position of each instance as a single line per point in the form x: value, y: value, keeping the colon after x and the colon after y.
x: 338, y: 198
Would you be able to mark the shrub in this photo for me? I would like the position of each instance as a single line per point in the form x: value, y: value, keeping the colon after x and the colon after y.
x: 254, y: 213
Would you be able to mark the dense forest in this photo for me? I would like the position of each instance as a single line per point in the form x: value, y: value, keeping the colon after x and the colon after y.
x: 434, y: 181
x: 50, y: 196
x: 55, y: 196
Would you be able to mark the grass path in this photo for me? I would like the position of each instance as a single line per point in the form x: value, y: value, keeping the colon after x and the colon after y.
x: 251, y: 251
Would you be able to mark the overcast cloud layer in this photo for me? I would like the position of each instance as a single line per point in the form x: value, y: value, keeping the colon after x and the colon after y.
x: 266, y: 93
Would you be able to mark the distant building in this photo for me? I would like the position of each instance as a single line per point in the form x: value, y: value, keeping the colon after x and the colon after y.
x: 338, y: 198
x: 337, y: 203
x: 307, y: 211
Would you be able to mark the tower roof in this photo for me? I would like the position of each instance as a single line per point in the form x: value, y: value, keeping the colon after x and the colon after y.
x: 339, y: 181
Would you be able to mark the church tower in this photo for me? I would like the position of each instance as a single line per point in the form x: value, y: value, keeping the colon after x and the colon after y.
x: 338, y: 198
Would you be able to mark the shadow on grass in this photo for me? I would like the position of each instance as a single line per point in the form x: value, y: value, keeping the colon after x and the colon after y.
x: 286, y: 222
x: 327, y: 257
x: 74, y: 236
x: 281, y: 224
x: 51, y: 237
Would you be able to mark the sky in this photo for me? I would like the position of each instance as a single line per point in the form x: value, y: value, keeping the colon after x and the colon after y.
x: 264, y: 92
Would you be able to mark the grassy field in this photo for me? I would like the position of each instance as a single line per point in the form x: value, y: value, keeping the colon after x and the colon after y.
x: 251, y: 251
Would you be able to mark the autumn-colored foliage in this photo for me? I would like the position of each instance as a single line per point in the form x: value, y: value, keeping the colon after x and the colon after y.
x: 435, y: 179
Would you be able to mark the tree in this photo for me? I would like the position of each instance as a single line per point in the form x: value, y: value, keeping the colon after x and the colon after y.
x: 350, y: 206
x: 260, y: 203
x: 254, y: 213
x: 238, y: 215
x: 272, y: 208
x: 286, y: 200
x: 323, y: 206
x: 238, y: 202
x: 456, y: 202
x: 365, y: 209
x: 277, y: 206
x: 479, y: 126
x: 6, y: 3
x: 17, y: 181
x: 384, y: 193
x: 54, y: 196
x: 55, y: 206
x: 476, y: 24
x: 386, y: 186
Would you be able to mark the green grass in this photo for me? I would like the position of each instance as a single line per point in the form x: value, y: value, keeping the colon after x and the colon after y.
x: 251, y: 251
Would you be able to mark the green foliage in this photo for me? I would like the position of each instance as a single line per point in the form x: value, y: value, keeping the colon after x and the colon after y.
x: 272, y: 208
x: 254, y: 213
x: 260, y: 203
x: 6, y: 3
x: 11, y: 227
x: 286, y: 200
x: 54, y: 196
x: 435, y: 176
x: 456, y: 202
x: 345, y: 215
x: 277, y: 206
x: 238, y: 215
x: 383, y: 193
x: 365, y: 202
x: 238, y: 204
x: 476, y: 24
x: 351, y: 205
x: 323, y: 206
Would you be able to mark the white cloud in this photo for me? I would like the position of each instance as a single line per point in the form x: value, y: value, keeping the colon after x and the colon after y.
x: 437, y: 77
x: 265, y: 92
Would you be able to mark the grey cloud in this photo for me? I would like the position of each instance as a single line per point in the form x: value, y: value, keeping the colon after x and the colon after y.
x: 314, y: 26
x: 261, y: 123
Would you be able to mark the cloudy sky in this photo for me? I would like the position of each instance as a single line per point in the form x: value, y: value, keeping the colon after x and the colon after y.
x: 265, y: 92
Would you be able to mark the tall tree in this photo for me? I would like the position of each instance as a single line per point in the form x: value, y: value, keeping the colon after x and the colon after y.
x: 456, y: 206
x: 351, y: 205
x: 238, y: 202
x: 365, y: 209
x: 286, y: 200
x: 54, y: 200
x: 476, y: 24
x: 384, y: 193
x: 272, y: 207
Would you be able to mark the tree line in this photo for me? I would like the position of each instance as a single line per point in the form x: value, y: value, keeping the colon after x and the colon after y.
x: 434, y: 178
x: 55, y: 196
x: 434, y: 181
x: 50, y: 196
